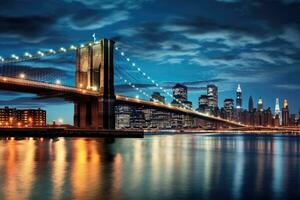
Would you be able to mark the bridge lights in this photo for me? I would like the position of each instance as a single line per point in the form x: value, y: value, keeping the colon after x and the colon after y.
x: 60, y: 121
x: 27, y: 55
x: 58, y: 82
x: 72, y: 47
x: 51, y: 51
x: 40, y: 53
x: 133, y: 64
x: 62, y: 49
x: 1, y: 59
x: 94, y: 88
x: 122, y: 54
x: 22, y: 76
x: 137, y: 96
x: 15, y: 57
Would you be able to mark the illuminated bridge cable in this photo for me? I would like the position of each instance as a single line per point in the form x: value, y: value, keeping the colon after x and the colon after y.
x: 40, y: 54
x: 133, y: 86
x: 147, y: 77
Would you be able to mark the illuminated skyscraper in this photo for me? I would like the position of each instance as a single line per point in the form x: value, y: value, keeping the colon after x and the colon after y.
x: 180, y: 92
x: 239, y: 102
x: 277, y: 111
x: 250, y: 104
x: 285, y: 113
x: 212, y: 95
x: 260, y: 105
x: 203, y: 103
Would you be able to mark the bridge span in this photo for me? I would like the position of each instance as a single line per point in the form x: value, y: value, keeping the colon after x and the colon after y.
x: 73, y: 94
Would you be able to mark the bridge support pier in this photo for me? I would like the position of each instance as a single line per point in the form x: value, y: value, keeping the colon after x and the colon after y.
x: 95, y: 70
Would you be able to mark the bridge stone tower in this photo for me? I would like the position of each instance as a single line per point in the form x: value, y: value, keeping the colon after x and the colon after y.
x: 95, y: 71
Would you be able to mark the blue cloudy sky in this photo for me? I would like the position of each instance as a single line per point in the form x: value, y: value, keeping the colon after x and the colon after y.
x: 252, y: 42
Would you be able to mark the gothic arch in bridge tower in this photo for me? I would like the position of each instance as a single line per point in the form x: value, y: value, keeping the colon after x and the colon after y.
x: 95, y: 70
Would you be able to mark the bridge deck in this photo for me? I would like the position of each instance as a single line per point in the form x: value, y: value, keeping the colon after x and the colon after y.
x: 72, y: 93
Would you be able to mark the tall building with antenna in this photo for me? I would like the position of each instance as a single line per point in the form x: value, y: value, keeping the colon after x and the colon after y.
x: 239, y: 102
x: 277, y: 111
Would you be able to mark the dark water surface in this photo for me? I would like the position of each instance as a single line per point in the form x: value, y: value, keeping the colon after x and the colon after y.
x: 189, y: 166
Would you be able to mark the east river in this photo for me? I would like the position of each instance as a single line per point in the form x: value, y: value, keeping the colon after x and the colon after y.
x: 183, y: 166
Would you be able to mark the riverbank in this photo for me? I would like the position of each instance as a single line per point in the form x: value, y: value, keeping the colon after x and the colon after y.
x: 67, y: 132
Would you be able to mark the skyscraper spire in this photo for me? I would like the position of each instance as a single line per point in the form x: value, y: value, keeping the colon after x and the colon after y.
x: 239, y: 103
x: 285, y: 103
x: 277, y: 111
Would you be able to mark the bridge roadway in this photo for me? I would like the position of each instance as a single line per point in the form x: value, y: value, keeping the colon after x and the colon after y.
x: 45, y: 89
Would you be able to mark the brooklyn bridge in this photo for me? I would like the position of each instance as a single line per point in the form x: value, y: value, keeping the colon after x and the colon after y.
x: 93, y: 93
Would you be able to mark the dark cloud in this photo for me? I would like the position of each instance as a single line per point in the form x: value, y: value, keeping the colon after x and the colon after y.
x: 29, y: 27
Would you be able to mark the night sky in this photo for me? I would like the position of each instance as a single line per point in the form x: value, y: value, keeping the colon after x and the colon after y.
x: 253, y: 42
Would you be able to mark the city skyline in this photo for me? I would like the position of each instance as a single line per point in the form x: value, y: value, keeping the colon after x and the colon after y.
x: 183, y: 41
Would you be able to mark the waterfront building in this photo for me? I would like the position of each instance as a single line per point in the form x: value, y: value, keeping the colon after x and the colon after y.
x: 177, y: 121
x: 160, y: 119
x: 239, y: 100
x: 148, y: 117
x: 123, y: 113
x: 260, y: 106
x: 137, y: 118
x: 8, y: 116
x: 212, y: 95
x: 285, y: 113
x: 22, y: 117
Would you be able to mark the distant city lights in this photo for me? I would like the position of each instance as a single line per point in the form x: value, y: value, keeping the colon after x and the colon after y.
x: 22, y: 76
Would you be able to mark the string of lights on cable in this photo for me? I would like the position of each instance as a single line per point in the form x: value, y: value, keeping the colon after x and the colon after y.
x: 40, y: 54
x: 133, y: 64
